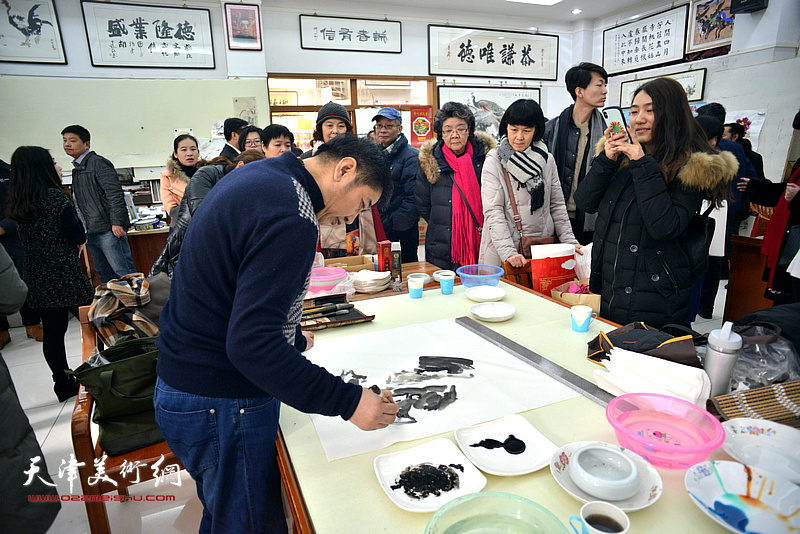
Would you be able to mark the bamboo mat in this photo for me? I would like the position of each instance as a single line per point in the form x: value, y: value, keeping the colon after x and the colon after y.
x: 779, y: 403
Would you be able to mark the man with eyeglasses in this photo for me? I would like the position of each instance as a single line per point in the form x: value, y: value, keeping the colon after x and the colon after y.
x: 400, y: 218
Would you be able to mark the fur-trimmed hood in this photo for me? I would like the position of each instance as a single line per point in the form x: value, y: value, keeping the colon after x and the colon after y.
x: 174, y: 170
x: 430, y: 166
x: 702, y: 172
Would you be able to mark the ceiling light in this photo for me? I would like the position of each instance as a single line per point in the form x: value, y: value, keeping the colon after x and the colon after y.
x: 577, y: 11
x: 635, y: 17
x: 537, y: 2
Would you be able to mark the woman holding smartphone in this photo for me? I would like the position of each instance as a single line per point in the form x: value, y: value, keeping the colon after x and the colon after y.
x: 646, y: 185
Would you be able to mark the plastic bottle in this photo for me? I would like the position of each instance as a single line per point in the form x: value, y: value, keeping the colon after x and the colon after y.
x: 723, y: 350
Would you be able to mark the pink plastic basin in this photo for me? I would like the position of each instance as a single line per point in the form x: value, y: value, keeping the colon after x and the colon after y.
x: 668, y: 432
x: 323, y: 278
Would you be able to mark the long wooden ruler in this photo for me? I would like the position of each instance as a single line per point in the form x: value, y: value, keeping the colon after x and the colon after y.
x: 553, y: 370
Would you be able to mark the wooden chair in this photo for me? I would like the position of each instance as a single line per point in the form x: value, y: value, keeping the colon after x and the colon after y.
x: 519, y: 275
x: 87, y: 452
x: 762, y: 219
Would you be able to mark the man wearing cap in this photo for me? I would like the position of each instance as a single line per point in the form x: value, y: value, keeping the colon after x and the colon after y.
x: 400, y: 217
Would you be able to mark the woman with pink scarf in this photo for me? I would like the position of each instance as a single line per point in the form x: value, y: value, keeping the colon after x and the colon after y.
x: 448, y: 189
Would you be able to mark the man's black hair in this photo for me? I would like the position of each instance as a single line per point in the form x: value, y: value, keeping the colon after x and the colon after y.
x: 711, y: 126
x: 233, y: 125
x: 373, y: 168
x: 524, y: 112
x: 274, y: 131
x: 714, y: 109
x: 581, y: 76
x: 737, y: 129
x: 82, y: 133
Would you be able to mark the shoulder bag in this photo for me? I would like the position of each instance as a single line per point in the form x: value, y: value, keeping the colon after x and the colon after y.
x: 525, y: 242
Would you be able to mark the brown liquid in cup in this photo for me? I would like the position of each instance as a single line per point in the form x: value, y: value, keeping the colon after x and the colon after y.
x: 603, y: 523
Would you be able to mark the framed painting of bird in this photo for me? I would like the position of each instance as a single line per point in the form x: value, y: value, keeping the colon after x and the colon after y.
x: 29, y: 32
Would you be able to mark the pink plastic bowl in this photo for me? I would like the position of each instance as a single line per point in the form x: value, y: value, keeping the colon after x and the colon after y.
x: 668, y: 432
x: 323, y: 278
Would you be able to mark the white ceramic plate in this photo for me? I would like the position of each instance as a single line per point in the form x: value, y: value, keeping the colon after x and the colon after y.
x: 744, y: 499
x: 538, y: 449
x: 439, y: 451
x: 771, y: 447
x: 485, y: 293
x: 493, y: 312
x: 650, y: 485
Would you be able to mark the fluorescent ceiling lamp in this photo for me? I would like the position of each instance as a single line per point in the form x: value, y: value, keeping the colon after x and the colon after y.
x: 537, y: 2
x: 577, y: 11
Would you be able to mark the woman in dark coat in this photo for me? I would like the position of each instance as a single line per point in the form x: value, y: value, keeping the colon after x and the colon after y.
x: 452, y: 239
x: 196, y: 190
x: 645, y: 193
x: 51, y: 234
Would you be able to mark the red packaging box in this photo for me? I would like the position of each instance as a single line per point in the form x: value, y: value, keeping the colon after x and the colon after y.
x: 384, y: 256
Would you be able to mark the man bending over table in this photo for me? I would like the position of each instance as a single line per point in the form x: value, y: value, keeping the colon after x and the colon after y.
x: 227, y: 345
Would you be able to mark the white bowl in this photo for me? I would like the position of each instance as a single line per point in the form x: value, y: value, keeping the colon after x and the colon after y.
x: 493, y: 312
x: 420, y: 276
x: 485, y: 293
x: 604, y: 472
x: 438, y: 274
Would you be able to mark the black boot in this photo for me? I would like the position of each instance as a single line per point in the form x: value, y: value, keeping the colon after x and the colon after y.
x: 65, y: 388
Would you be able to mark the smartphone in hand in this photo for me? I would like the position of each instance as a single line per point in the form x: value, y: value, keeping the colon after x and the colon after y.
x: 616, y: 119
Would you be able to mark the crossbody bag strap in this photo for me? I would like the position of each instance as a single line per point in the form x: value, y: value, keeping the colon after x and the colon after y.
x: 517, y: 219
x: 474, y: 219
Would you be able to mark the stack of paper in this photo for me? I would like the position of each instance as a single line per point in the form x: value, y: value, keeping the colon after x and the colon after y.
x: 631, y: 372
x: 371, y: 281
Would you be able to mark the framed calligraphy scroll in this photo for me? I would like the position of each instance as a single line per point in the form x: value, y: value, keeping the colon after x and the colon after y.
x: 243, y: 23
x: 29, y: 33
x: 132, y: 35
x: 655, y: 40
x: 693, y: 82
x: 460, y: 51
x: 488, y: 104
x: 350, y: 34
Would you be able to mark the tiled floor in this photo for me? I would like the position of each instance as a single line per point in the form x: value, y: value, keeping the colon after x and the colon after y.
x: 51, y: 423
x: 50, y: 420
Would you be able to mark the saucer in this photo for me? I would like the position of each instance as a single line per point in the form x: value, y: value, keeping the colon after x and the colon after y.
x: 442, y: 451
x: 744, y: 499
x: 485, y: 293
x: 538, y: 449
x: 771, y: 447
x: 493, y: 312
x: 650, y: 485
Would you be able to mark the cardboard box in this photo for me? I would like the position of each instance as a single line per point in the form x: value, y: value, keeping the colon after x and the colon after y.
x: 351, y: 264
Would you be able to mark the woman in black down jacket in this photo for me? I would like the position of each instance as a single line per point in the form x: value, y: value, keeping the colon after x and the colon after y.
x: 436, y: 193
x: 645, y: 192
x: 51, y: 234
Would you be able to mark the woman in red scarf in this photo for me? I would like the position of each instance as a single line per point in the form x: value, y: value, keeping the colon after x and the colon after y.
x: 448, y: 190
x: 786, y: 214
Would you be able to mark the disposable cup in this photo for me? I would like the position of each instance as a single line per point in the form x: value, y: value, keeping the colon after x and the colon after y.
x: 446, y: 282
x: 599, y: 517
x: 415, y: 288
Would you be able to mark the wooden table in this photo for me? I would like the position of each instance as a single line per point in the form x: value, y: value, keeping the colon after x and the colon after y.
x: 345, y: 496
x: 745, y: 285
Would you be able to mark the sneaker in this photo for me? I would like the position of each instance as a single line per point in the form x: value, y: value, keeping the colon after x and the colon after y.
x: 35, y: 332
x: 5, y: 339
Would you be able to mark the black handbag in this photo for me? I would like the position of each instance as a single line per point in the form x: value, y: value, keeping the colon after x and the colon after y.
x: 696, y: 241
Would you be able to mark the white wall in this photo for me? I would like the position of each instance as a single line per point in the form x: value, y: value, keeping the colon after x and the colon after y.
x: 762, y: 72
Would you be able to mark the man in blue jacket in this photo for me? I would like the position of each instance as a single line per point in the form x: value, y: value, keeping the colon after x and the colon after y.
x: 400, y: 218
x: 227, y: 355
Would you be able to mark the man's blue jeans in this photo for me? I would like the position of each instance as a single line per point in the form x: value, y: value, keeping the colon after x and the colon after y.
x: 111, y: 255
x: 228, y: 446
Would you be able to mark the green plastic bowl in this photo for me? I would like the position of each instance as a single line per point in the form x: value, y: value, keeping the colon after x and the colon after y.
x: 494, y: 513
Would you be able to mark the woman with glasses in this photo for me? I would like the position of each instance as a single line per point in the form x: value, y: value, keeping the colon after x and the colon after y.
x: 250, y: 139
x: 448, y: 188
x: 522, y: 164
x: 181, y: 165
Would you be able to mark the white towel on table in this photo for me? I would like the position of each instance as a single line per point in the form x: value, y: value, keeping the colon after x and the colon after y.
x: 631, y: 372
